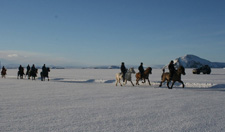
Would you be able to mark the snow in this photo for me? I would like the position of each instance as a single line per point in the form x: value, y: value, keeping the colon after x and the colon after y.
x: 88, y: 100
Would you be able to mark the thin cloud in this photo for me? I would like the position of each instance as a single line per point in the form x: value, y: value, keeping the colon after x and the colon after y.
x: 24, y: 58
x: 12, y: 55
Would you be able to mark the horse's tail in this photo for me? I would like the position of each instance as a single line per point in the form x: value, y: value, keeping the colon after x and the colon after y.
x: 162, y: 73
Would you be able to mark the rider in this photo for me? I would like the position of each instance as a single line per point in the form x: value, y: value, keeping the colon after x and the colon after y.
x: 123, y: 70
x: 28, y: 69
x: 44, y: 69
x: 33, y: 68
x: 141, y: 70
x: 171, y: 69
x: 3, y: 68
x: 20, y: 69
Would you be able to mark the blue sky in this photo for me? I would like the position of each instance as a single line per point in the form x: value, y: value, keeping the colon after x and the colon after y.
x: 106, y: 32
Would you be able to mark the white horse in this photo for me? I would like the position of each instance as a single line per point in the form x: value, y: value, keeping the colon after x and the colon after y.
x: 119, y: 76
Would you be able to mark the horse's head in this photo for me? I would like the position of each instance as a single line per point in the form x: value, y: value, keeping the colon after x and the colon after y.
x: 48, y: 69
x: 149, y: 70
x: 131, y: 70
x: 181, y: 70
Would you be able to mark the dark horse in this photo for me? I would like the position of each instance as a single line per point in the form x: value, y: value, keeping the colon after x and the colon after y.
x: 145, y: 76
x: 44, y: 74
x: 3, y: 73
x: 33, y: 73
x: 176, y: 77
x: 20, y: 73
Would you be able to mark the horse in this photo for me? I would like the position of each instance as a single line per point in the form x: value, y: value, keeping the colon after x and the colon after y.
x: 20, y: 73
x: 44, y: 74
x: 145, y: 76
x: 33, y: 73
x: 176, y: 77
x: 27, y: 74
x: 3, y: 73
x: 119, y: 76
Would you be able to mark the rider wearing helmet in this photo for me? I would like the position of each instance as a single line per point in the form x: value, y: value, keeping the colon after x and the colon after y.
x: 141, y: 70
x: 171, y: 69
x: 123, y: 70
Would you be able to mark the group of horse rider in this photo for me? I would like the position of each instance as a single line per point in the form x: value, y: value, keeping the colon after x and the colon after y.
x: 171, y: 68
x: 33, y: 68
x: 124, y: 70
x: 21, y: 69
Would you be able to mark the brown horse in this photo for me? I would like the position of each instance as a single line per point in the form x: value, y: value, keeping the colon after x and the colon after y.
x: 3, y: 73
x: 176, y: 77
x: 145, y: 76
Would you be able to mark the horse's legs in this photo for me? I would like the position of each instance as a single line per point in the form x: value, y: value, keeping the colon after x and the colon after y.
x: 172, y: 85
x: 125, y: 82
x: 137, y: 81
x: 163, y: 80
x: 168, y: 82
x: 120, y: 83
x: 160, y: 85
x: 143, y: 80
x: 181, y: 83
x: 132, y: 83
x: 116, y: 82
x: 149, y: 82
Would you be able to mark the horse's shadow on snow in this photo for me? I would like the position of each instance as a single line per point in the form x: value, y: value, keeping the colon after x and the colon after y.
x: 110, y: 81
x: 217, y: 87
x: 84, y: 81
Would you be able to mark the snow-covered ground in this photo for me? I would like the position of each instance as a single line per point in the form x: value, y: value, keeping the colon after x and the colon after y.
x: 88, y: 100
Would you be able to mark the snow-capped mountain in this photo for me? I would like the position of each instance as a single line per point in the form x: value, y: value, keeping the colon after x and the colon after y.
x: 192, y: 61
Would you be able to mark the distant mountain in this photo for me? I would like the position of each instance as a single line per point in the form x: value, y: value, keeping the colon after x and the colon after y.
x: 192, y: 61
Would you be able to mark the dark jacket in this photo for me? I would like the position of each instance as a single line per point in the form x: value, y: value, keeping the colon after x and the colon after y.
x: 33, y: 68
x: 171, y: 67
x: 20, y: 68
x: 141, y: 69
x: 44, y: 68
x: 28, y: 67
x: 123, y: 69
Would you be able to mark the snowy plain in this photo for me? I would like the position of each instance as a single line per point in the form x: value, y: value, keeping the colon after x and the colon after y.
x: 87, y: 100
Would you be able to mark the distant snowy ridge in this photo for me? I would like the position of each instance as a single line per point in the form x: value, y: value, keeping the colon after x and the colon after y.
x: 192, y: 61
